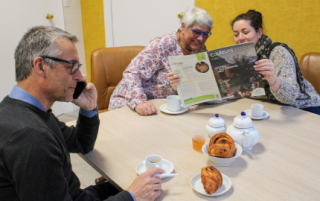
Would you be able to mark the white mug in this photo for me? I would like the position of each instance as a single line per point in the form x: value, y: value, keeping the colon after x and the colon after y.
x: 256, y: 110
x: 173, y: 103
x: 153, y: 161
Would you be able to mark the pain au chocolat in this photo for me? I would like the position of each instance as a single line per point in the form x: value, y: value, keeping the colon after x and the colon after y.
x: 222, y: 145
x: 211, y: 179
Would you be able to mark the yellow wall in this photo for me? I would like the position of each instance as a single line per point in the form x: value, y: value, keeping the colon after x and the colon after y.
x: 294, y: 22
x: 93, y: 29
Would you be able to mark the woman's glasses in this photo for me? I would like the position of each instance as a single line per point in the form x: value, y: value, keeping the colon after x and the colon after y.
x: 197, y: 33
x: 75, y: 65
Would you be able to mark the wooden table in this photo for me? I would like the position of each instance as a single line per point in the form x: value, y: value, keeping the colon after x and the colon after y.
x: 284, y: 165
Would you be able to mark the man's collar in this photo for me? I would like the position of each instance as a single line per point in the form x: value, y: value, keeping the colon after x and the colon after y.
x: 20, y: 94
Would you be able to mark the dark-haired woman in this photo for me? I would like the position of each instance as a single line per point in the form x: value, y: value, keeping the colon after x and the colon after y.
x: 278, y: 63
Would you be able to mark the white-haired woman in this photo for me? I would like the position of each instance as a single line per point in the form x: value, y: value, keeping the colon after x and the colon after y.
x: 146, y: 76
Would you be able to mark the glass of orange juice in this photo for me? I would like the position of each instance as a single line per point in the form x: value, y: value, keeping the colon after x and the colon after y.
x: 198, y: 139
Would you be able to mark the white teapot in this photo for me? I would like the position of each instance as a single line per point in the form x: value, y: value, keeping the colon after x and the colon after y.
x: 243, y: 132
x: 215, y: 125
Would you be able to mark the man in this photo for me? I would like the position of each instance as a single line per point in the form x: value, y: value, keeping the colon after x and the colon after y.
x: 34, y: 145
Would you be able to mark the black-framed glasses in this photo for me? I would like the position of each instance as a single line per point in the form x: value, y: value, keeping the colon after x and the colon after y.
x: 75, y: 65
x: 197, y: 33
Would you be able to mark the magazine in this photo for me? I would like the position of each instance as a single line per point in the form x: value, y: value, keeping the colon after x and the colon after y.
x: 224, y: 73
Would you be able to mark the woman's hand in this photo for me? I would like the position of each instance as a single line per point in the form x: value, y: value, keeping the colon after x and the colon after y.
x: 174, y: 80
x: 146, y: 108
x: 266, y: 68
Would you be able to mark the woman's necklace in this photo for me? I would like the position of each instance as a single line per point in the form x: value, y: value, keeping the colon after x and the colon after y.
x: 188, y: 52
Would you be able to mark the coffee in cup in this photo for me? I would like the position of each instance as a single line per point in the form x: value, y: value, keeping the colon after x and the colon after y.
x: 153, y: 161
x: 256, y: 110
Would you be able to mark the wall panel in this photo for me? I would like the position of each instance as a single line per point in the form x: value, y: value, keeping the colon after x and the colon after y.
x: 93, y: 28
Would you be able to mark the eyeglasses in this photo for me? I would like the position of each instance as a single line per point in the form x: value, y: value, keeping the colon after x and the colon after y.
x: 197, y: 33
x: 75, y: 65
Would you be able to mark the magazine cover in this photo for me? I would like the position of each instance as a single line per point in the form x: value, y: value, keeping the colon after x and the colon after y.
x: 234, y: 72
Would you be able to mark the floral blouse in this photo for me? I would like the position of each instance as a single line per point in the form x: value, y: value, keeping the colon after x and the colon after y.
x: 289, y: 91
x: 146, y: 76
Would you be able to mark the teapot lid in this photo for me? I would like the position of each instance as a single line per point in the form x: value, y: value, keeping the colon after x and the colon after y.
x: 242, y: 121
x: 216, y: 121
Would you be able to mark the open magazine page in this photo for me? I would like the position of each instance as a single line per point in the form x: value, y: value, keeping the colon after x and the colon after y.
x: 197, y: 82
x: 234, y: 72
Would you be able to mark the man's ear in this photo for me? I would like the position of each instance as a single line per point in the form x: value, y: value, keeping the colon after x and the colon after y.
x: 38, y: 66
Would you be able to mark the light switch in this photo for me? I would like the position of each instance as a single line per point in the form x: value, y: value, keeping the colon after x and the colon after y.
x: 66, y: 3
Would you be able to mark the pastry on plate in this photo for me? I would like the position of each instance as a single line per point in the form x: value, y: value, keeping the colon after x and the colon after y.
x: 211, y: 179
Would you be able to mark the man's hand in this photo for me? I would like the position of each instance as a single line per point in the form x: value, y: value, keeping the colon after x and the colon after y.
x: 146, y: 108
x: 146, y: 187
x: 88, y: 98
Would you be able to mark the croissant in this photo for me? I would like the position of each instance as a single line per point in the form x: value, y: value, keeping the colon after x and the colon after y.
x: 221, y: 145
x: 211, y: 179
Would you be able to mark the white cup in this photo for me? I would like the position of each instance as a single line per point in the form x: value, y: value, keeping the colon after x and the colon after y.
x: 173, y: 103
x: 153, y: 161
x: 256, y: 110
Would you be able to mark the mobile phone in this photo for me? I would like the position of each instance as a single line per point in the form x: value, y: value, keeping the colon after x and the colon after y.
x: 79, y: 88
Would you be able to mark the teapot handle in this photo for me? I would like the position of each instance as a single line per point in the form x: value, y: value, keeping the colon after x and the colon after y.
x: 246, y: 136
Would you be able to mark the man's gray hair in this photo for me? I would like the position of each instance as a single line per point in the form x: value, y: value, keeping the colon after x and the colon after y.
x: 38, y: 41
x: 196, y: 15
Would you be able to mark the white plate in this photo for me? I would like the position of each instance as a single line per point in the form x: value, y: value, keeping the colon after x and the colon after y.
x: 198, y: 186
x: 263, y: 116
x: 167, y: 167
x: 163, y: 108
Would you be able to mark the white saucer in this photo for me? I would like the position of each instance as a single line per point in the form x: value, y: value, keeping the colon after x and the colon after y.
x: 198, y: 186
x: 163, y: 108
x: 167, y: 167
x: 263, y: 116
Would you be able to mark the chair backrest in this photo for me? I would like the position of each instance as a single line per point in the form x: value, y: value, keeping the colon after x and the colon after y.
x: 310, y: 68
x: 107, y: 66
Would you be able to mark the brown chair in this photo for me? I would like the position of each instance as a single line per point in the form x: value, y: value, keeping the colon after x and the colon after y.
x: 107, y: 66
x: 310, y: 68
